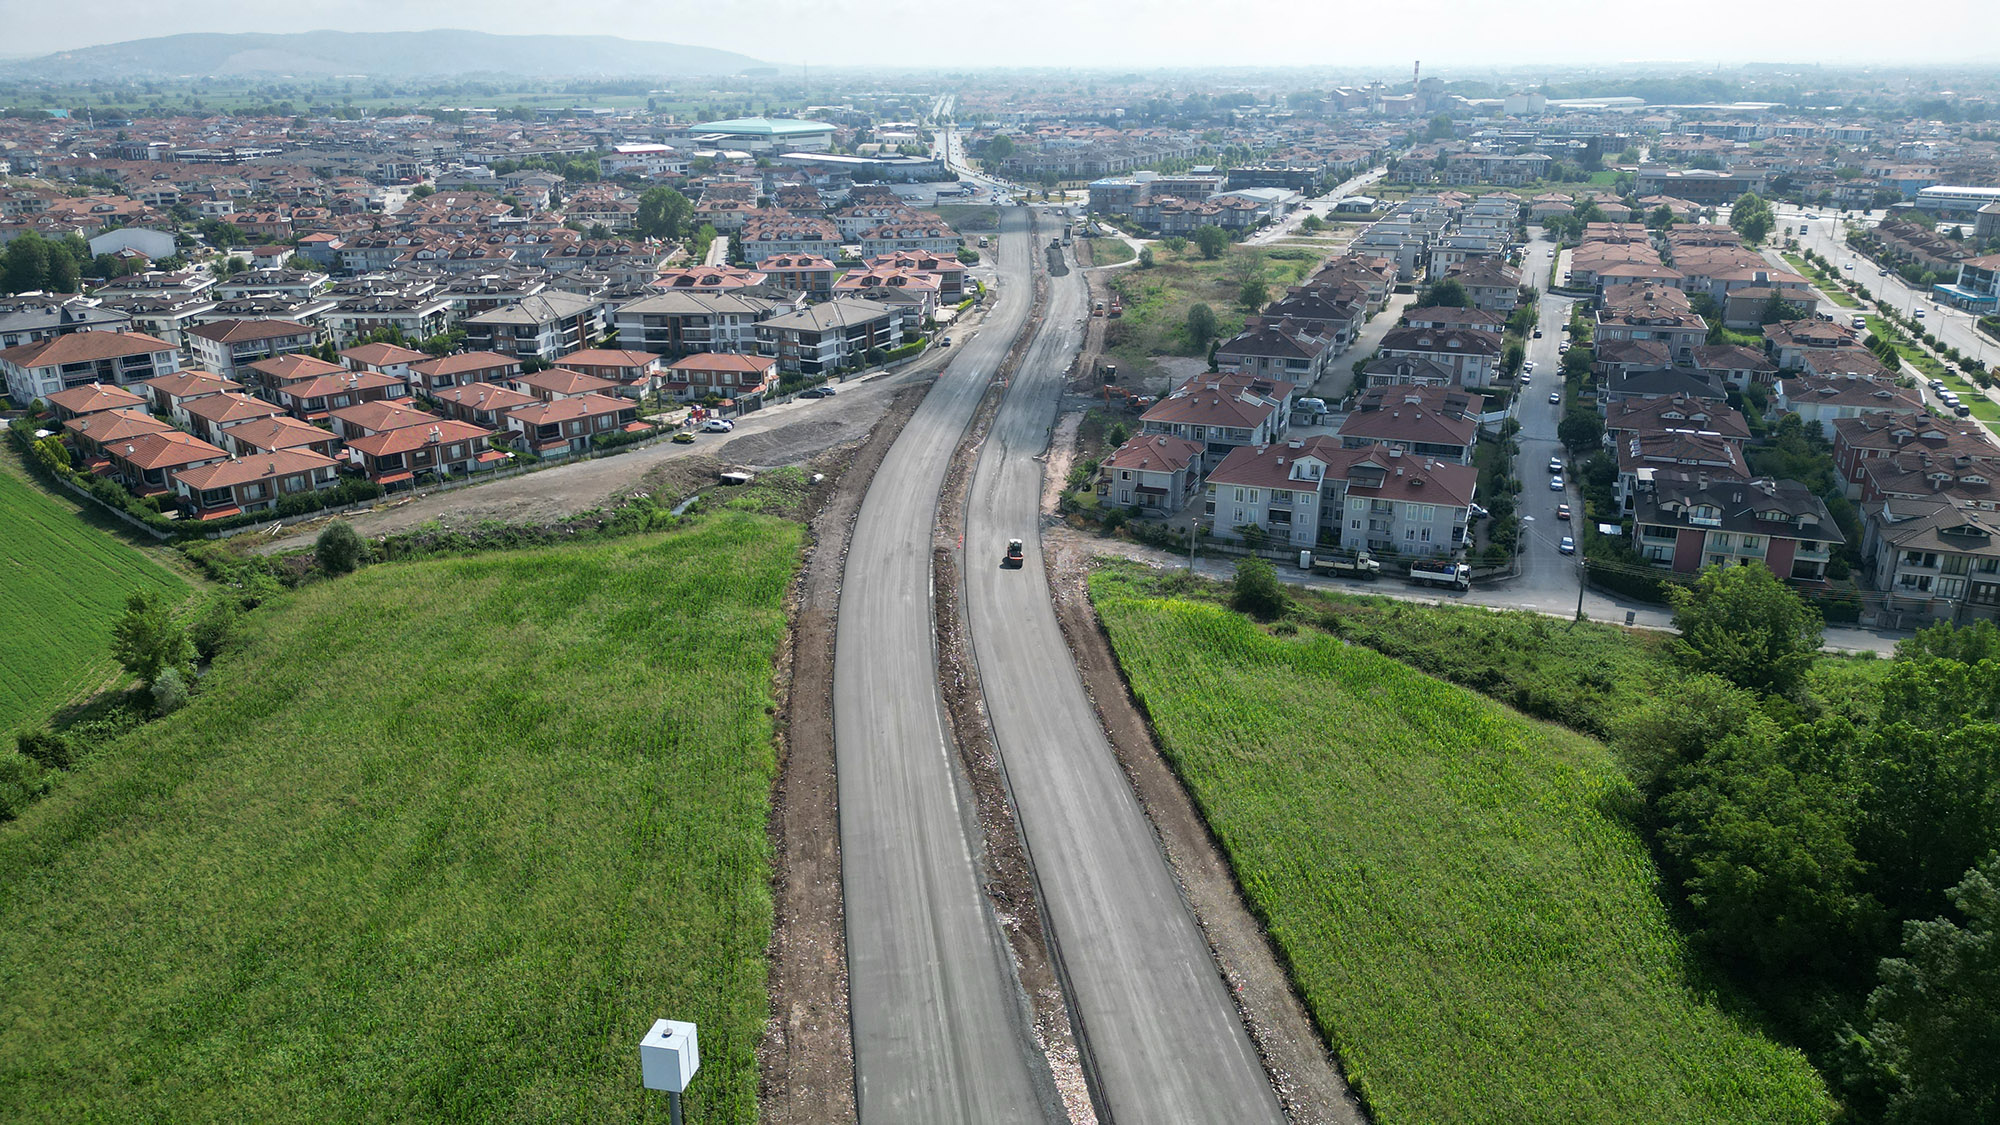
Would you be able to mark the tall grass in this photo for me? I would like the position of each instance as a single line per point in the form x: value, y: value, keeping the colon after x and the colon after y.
x: 1474, y: 929
x: 63, y: 584
x: 439, y: 842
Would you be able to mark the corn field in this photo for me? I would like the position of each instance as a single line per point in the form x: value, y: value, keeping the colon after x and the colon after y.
x: 439, y: 842
x: 1477, y: 935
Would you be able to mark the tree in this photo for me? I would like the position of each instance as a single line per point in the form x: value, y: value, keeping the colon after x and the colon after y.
x: 1256, y: 590
x: 1448, y: 294
x: 339, y: 548
x: 423, y: 191
x: 1313, y: 224
x: 1440, y: 128
x: 1751, y: 217
x: 1201, y: 325
x: 1212, y: 240
x: 1935, y: 1027
x: 1145, y: 257
x: 25, y: 263
x: 664, y: 213
x: 1743, y: 624
x: 1662, y: 218
x: 1253, y: 294
x: 1580, y: 431
x: 999, y: 148
x: 146, y: 641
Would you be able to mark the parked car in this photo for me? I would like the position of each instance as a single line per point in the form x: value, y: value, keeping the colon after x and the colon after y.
x: 1556, y: 465
x: 1528, y: 366
x: 1562, y: 511
x: 1476, y: 511
x: 944, y: 341
x: 717, y: 426
x: 1555, y: 484
x: 1538, y: 333
x: 1567, y: 546
x: 685, y: 437
x: 1555, y: 396
x: 817, y: 392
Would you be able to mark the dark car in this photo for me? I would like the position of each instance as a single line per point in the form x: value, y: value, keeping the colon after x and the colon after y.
x: 817, y: 392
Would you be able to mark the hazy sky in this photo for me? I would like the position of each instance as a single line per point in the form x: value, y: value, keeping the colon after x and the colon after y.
x: 1107, y: 33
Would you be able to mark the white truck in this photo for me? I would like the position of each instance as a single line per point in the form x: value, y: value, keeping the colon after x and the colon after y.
x: 1341, y: 566
x: 1456, y: 575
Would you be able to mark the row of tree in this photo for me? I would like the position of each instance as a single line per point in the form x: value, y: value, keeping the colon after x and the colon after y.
x: 1836, y: 844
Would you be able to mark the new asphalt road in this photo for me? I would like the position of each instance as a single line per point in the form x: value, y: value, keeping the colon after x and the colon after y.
x: 941, y: 1031
x: 1161, y: 1037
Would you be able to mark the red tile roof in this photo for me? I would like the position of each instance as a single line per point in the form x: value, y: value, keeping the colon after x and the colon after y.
x: 262, y: 466
x: 84, y: 347
x: 92, y: 398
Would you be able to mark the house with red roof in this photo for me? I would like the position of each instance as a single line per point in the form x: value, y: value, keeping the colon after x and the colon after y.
x: 92, y: 398
x: 89, y: 434
x: 555, y: 383
x: 482, y: 404
x: 38, y: 370
x: 567, y: 425
x: 144, y: 463
x: 722, y: 375
x: 443, y: 446
x: 1310, y: 492
x: 253, y: 484
x: 228, y: 347
x: 268, y: 435
x: 1152, y: 472
x: 211, y: 416
x: 463, y: 368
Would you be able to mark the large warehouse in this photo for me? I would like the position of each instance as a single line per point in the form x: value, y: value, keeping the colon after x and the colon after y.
x: 763, y: 134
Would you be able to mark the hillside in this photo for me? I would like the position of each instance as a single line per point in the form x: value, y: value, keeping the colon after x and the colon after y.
x: 380, y: 54
x: 62, y: 585
x: 1476, y: 932
x: 438, y: 842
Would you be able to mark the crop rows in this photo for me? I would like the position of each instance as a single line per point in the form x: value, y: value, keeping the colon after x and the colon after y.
x: 439, y: 843
x: 1475, y: 932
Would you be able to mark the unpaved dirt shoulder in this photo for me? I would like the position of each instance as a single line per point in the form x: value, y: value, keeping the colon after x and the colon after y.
x: 1010, y: 883
x: 1303, y: 1072
x: 806, y: 1058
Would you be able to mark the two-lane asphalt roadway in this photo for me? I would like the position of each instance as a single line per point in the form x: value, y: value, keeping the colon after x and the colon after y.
x: 1548, y: 579
x: 1162, y: 1039
x: 941, y: 1030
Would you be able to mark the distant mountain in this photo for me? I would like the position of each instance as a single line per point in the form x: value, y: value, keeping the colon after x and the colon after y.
x: 380, y: 54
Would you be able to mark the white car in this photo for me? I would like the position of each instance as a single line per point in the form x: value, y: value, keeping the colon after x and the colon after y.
x: 1555, y: 396
x: 1556, y: 465
x: 717, y: 426
x: 1556, y: 484
x: 1528, y: 366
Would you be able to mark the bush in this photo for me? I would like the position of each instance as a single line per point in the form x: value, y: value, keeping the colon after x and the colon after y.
x: 216, y: 627
x: 1256, y: 590
x: 170, y: 692
x: 339, y: 548
x: 47, y: 748
x: 22, y: 783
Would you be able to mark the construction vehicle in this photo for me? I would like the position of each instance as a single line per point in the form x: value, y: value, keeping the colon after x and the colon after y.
x: 1458, y: 576
x: 1117, y: 310
x: 1013, y: 558
x: 1097, y: 308
x: 1360, y: 566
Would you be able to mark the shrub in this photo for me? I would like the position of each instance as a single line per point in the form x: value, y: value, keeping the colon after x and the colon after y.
x: 170, y: 692
x: 216, y: 627
x: 339, y: 548
x: 47, y: 748
x: 1256, y: 590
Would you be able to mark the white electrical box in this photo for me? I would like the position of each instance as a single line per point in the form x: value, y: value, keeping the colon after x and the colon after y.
x: 668, y: 1056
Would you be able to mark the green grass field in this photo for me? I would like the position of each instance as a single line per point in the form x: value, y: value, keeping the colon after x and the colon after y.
x: 1110, y: 251
x: 1157, y: 300
x: 439, y: 842
x: 66, y: 583
x: 1476, y: 932
x: 1828, y: 285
